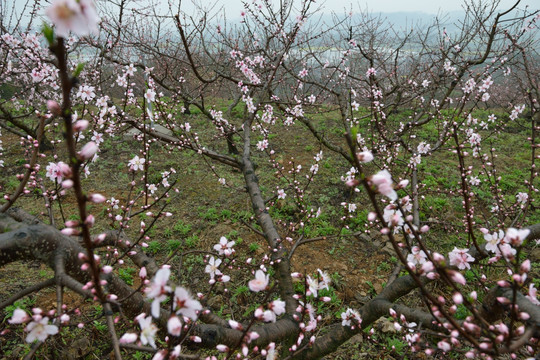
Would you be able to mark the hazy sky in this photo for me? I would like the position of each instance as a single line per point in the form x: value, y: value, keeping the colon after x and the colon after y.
x: 234, y: 7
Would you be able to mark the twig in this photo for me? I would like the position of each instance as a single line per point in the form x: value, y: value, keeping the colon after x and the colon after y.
x: 22, y: 185
x: 27, y: 291
x: 110, y: 324
x: 33, y: 350
x: 48, y: 205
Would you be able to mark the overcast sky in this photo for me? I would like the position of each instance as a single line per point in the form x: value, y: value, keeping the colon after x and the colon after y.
x: 234, y: 7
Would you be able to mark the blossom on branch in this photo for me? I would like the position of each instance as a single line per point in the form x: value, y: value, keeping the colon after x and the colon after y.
x: 460, y: 258
x: 260, y: 282
x: 80, y: 17
x: 39, y: 329
x: 19, y: 317
x: 128, y: 338
x: 212, y: 267
x: 158, y: 289
x: 383, y: 181
x: 148, y: 330
x: 136, y: 163
x: 224, y: 247
x: 417, y: 256
x: 184, y: 304
x: 350, y: 318
x: 150, y: 95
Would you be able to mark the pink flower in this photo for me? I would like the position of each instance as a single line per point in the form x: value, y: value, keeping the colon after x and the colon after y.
x: 158, y: 289
x: 350, y: 318
x: 184, y: 304
x: 148, y: 330
x: 212, y: 267
x: 522, y: 197
x: 81, y: 125
x: 160, y: 355
x: 383, y: 181
x: 150, y: 95
x: 96, y: 198
x: 128, y: 338
x: 235, y: 325
x: 136, y: 163
x: 39, y: 329
x: 516, y: 236
x: 64, y: 318
x: 224, y: 247
x: 143, y: 273
x: 174, y: 326
x: 532, y: 295
x: 460, y: 258
x: 86, y: 92
x: 315, y: 284
x: 19, y: 317
x: 222, y: 348
x: 277, y: 306
x: 88, y: 150
x: 98, y: 137
x: 269, y: 316
x: 492, y: 240
x: 71, y: 15
x: 260, y: 282
x: 457, y: 277
x: 371, y: 72
x: 54, y: 108
x: 507, y: 251
x: 525, y: 266
x: 365, y: 156
x: 54, y: 172
x: 392, y: 216
x: 176, y: 352
x: 271, y: 351
x: 417, y: 256
x: 444, y: 346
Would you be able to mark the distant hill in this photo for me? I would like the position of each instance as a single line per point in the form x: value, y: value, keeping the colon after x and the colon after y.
x: 405, y: 20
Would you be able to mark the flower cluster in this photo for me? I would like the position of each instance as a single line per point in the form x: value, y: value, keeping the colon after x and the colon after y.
x: 38, y: 329
x: 182, y: 304
x: 350, y: 318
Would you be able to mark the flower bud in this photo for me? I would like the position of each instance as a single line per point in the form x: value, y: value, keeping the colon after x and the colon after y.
x: 80, y: 125
x: 365, y: 156
x: 64, y: 169
x: 128, y: 338
x: 70, y: 231
x: 54, y: 108
x: 64, y: 318
x: 458, y: 298
x: 402, y: 184
x: 67, y: 184
x: 222, y: 348
x: 88, y: 151
x: 96, y: 198
x: 174, y: 326
x: 90, y: 220
x: 525, y: 266
x: 72, y: 223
